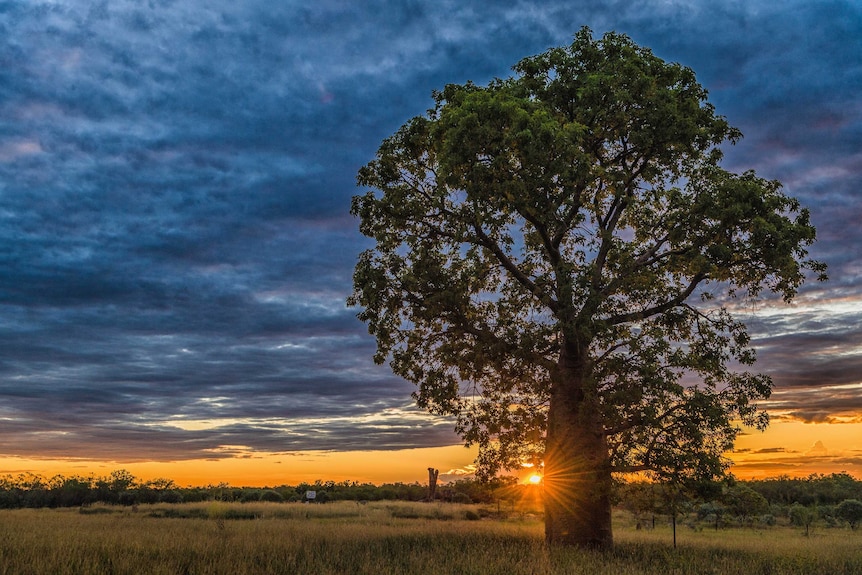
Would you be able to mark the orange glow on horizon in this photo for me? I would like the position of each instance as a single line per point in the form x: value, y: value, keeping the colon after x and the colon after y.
x: 786, y: 448
x: 799, y: 449
x: 264, y: 469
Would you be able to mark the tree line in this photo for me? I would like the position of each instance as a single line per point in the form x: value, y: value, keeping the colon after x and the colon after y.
x: 829, y: 500
x: 120, y: 487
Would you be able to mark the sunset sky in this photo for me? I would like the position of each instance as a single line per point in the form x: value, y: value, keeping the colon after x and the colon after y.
x: 176, y: 247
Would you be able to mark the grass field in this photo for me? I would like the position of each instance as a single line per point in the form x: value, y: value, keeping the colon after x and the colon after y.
x: 386, y: 537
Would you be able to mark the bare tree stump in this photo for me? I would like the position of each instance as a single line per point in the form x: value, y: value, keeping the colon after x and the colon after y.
x: 432, y: 482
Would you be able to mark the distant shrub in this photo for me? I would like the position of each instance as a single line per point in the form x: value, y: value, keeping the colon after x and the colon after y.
x: 404, y: 513
x: 170, y: 496
x: 827, y: 513
x: 96, y: 510
x: 471, y: 515
x: 181, y: 513
x: 233, y: 513
x: 461, y: 498
x: 272, y: 496
x: 127, y: 498
x: 249, y: 495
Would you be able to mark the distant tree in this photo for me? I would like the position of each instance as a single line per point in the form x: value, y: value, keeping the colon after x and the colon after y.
x: 553, y: 256
x: 782, y: 490
x: 642, y: 499
x: 128, y: 498
x: 162, y: 484
x: 837, y: 487
x: 121, y: 480
x: 850, y: 511
x: 744, y: 503
x: 145, y: 493
x: 674, y: 499
x: 814, y: 489
x: 803, y: 516
x: 713, y: 512
x: 74, y: 492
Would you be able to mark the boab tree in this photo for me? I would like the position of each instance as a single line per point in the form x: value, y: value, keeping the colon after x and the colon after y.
x: 556, y: 258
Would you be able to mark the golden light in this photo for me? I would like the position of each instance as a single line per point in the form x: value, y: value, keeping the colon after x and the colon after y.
x: 535, y: 479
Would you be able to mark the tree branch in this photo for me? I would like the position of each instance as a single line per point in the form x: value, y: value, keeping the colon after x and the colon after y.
x: 660, y: 308
x: 513, y: 269
x: 631, y: 423
x: 568, y: 218
x: 551, y: 249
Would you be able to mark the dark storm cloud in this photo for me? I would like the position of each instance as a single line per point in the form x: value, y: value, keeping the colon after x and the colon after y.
x: 175, y: 179
x: 813, y: 346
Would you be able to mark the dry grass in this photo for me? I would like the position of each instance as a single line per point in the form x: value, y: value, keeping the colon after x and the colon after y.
x: 382, y: 538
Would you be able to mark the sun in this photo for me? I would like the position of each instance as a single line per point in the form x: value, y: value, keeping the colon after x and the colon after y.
x: 535, y: 479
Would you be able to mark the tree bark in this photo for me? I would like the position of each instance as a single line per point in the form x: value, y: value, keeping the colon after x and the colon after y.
x: 577, y: 465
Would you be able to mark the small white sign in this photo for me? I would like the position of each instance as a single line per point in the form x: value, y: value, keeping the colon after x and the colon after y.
x: 310, y: 494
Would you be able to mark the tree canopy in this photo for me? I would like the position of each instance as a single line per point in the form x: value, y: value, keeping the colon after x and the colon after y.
x: 557, y: 258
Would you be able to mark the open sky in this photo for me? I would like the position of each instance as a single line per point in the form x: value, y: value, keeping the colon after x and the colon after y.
x: 176, y: 247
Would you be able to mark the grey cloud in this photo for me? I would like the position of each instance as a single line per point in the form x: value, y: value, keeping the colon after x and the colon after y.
x: 812, y: 346
x: 125, y: 441
x: 175, y: 180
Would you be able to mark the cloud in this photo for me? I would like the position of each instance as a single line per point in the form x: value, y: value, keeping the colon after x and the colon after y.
x: 129, y: 437
x: 817, y: 459
x: 818, y: 449
x: 770, y: 450
x: 813, y: 352
x: 175, y: 181
x: 823, y: 404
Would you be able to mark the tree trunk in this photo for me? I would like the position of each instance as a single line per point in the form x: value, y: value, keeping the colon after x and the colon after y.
x: 674, y: 527
x: 577, y: 466
x: 432, y: 483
